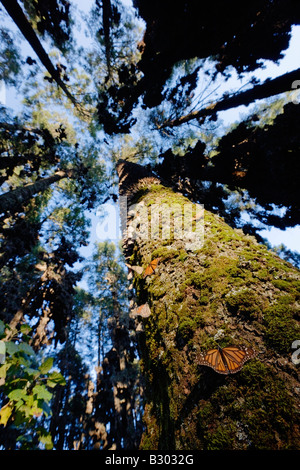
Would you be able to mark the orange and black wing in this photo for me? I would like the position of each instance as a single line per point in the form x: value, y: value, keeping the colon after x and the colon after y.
x: 151, y: 267
x: 228, y: 360
x: 137, y: 269
x: 143, y: 311
x: 214, y: 359
x: 235, y: 358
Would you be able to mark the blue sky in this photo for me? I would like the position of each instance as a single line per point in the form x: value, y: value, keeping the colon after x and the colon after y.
x: 107, y: 228
x: 290, y: 236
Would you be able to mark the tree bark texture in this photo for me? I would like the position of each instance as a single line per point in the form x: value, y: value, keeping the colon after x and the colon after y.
x: 231, y: 291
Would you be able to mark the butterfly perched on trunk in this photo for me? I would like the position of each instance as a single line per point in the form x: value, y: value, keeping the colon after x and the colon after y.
x: 151, y: 267
x: 228, y: 360
x: 143, y: 311
x: 136, y: 269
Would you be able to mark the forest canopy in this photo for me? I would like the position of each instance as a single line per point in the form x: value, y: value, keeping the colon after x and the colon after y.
x: 99, y: 348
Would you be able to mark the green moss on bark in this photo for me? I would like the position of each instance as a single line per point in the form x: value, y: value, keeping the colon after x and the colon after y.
x: 231, y: 291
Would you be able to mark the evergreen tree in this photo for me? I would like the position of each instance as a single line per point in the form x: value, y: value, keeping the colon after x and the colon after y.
x: 152, y: 100
x: 230, y: 291
x: 118, y: 388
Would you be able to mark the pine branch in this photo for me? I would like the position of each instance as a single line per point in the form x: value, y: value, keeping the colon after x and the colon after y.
x: 16, y: 13
x: 265, y: 90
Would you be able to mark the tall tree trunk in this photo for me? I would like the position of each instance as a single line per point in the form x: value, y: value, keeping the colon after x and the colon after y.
x: 265, y: 90
x: 19, y: 315
x: 15, y: 11
x: 106, y: 16
x: 13, y: 200
x: 229, y: 291
x: 115, y: 388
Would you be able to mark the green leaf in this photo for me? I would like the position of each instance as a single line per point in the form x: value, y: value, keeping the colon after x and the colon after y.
x: 5, y: 413
x: 36, y: 410
x: 18, y: 418
x: 29, y: 400
x: 42, y: 393
x: 34, y: 372
x: 47, y: 365
x: 3, y: 370
x: 57, y: 378
x: 47, y: 440
x: 24, y: 361
x: 25, y: 329
x: 2, y: 347
x: 11, y: 348
x: 27, y: 349
x: 17, y: 395
x: 19, y: 405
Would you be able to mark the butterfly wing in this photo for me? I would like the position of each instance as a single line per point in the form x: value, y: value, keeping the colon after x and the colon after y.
x: 136, y: 269
x: 143, y: 311
x: 236, y: 357
x: 214, y: 360
x: 151, y: 267
x: 228, y: 360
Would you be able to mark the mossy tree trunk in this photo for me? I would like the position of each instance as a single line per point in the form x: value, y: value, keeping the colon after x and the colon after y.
x: 230, y: 291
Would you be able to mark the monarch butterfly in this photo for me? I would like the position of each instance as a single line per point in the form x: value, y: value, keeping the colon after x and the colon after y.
x: 137, y: 269
x: 227, y: 360
x: 143, y: 310
x: 151, y: 267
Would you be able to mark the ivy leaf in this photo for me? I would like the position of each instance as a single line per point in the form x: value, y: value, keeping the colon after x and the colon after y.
x: 27, y: 349
x: 42, y: 393
x: 3, y: 370
x: 47, y: 440
x: 25, y: 329
x: 34, y: 372
x: 47, y: 365
x: 17, y: 395
x: 55, y: 378
x: 11, y: 348
x: 5, y: 413
x: 36, y: 410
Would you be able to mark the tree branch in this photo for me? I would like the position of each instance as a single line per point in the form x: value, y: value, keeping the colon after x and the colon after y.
x: 16, y: 13
x: 265, y: 90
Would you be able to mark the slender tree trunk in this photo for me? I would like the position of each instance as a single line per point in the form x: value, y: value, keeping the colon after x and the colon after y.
x: 228, y: 291
x: 12, y: 200
x: 265, y: 90
x: 15, y: 11
x: 106, y: 15
x: 19, y: 315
